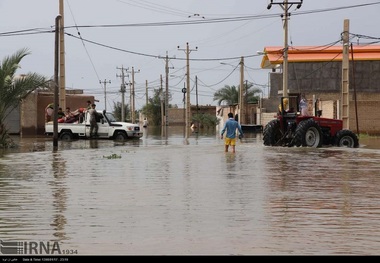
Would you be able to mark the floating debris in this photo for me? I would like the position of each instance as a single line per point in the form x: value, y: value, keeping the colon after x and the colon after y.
x: 112, y: 156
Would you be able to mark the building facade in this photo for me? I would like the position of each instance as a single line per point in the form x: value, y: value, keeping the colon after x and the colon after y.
x: 28, y: 119
x: 316, y: 72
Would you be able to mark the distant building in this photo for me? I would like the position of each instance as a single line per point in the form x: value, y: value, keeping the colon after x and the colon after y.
x: 28, y: 119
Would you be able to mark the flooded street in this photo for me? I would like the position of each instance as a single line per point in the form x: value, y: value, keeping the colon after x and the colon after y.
x: 168, y: 196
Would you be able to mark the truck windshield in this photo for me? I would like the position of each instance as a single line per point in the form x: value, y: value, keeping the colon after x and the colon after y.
x: 110, y: 117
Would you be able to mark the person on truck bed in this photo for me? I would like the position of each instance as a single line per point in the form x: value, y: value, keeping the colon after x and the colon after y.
x: 93, y: 123
x: 61, y: 114
x: 89, y: 105
x: 69, y: 116
x: 49, y: 110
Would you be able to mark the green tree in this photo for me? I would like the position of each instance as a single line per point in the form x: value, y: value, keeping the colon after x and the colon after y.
x: 205, y: 120
x: 13, y: 89
x: 153, y: 109
x: 230, y: 94
x: 117, y: 111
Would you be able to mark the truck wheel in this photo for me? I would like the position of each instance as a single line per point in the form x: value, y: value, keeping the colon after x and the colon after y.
x: 308, y: 133
x: 120, y: 136
x: 66, y: 136
x: 272, y: 133
x: 346, y: 138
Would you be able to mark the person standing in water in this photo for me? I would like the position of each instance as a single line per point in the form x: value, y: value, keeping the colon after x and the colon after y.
x: 231, y: 126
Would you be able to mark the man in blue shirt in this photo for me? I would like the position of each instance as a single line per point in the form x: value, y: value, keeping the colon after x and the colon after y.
x: 231, y: 125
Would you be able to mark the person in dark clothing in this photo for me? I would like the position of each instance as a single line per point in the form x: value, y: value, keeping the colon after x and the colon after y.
x: 61, y: 114
x: 89, y: 105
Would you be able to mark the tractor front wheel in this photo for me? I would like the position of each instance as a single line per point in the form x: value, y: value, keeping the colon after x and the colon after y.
x: 346, y: 138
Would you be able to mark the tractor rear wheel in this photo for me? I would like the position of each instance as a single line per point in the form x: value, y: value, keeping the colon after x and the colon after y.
x: 346, y: 138
x: 308, y: 133
x: 272, y: 133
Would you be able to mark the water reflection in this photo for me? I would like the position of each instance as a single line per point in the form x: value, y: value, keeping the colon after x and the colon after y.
x: 164, y: 196
x: 59, y: 193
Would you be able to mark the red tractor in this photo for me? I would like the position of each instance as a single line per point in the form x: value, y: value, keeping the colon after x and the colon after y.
x: 292, y: 129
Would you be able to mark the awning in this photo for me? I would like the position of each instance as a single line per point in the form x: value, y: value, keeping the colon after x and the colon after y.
x: 273, y: 56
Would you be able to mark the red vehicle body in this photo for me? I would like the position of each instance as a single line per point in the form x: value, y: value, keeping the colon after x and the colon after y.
x: 292, y: 129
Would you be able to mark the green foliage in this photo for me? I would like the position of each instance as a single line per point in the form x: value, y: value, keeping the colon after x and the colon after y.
x: 112, y: 156
x: 153, y: 109
x: 230, y: 94
x: 117, y: 111
x: 13, y: 89
x: 205, y: 120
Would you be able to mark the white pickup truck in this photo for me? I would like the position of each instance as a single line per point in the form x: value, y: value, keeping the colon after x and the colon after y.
x: 109, y: 128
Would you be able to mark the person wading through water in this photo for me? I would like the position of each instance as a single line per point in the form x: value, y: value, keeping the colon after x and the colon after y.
x: 230, y: 126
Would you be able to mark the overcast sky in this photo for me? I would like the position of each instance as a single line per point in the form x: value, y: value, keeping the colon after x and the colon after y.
x: 138, y: 34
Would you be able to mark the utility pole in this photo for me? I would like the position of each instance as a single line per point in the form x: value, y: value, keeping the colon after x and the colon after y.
x: 188, y: 112
x: 56, y: 69
x: 105, y: 92
x: 196, y: 99
x: 146, y: 92
x: 285, y: 5
x: 196, y: 93
x: 130, y: 99
x: 133, y: 117
x: 167, y: 88
x: 241, y: 93
x: 345, y: 76
x: 62, y: 80
x: 162, y: 102
x: 122, y: 90
x: 184, y: 108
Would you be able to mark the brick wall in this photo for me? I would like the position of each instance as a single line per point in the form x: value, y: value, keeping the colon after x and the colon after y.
x: 33, y: 110
x: 176, y: 116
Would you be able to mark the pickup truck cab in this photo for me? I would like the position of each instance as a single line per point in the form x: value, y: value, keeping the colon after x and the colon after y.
x: 109, y: 128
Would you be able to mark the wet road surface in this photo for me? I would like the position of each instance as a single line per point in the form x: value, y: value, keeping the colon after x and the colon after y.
x: 170, y: 196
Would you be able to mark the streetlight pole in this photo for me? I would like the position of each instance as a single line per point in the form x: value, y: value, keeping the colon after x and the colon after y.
x: 285, y: 5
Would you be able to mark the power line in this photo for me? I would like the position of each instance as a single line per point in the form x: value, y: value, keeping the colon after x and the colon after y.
x: 176, y: 23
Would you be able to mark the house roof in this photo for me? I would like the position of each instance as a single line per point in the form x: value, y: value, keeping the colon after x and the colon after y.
x: 274, y: 54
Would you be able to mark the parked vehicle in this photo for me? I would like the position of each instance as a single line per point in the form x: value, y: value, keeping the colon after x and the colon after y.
x: 109, y: 128
x: 292, y: 129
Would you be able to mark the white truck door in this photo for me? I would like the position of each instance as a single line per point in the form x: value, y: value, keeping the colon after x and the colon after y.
x: 103, y: 127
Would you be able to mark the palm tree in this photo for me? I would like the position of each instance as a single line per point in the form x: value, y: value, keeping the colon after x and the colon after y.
x: 230, y: 94
x: 13, y: 89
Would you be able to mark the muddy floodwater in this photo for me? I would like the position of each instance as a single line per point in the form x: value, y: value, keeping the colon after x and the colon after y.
x: 164, y: 195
